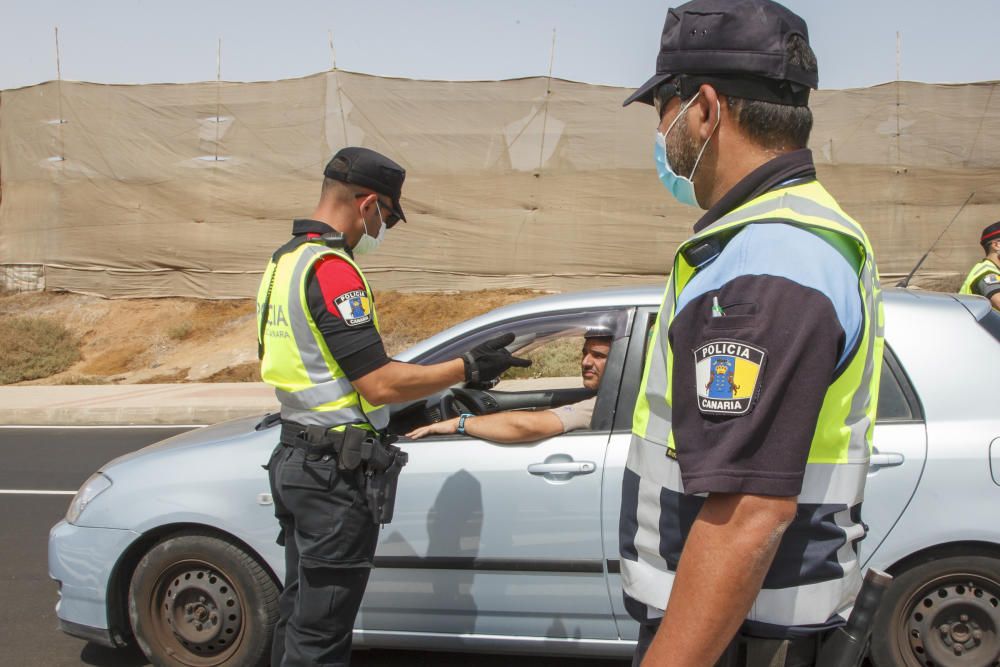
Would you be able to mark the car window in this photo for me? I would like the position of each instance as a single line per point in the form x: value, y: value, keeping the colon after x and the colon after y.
x: 897, y: 400
x: 554, y: 343
x: 892, y: 403
x: 991, y: 322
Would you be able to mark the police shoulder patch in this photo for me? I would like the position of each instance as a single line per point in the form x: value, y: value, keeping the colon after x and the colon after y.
x: 991, y: 278
x: 727, y: 376
x: 354, y: 307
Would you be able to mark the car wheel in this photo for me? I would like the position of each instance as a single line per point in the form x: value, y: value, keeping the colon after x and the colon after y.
x: 942, y: 613
x: 197, y: 600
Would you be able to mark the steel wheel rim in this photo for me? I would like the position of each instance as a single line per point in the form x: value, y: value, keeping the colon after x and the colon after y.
x: 952, y: 621
x: 197, y: 614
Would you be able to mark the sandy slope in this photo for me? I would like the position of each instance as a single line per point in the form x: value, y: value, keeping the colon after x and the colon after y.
x: 189, y: 340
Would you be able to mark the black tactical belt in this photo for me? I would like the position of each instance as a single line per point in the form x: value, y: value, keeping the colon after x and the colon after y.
x: 314, y: 439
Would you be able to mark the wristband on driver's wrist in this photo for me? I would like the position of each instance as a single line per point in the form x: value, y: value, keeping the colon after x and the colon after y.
x: 461, y: 423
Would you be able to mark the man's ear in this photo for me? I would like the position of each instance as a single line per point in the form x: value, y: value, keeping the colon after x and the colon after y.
x: 709, y: 104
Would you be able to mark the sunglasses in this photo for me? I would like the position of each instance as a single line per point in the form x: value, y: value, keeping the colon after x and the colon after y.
x: 389, y: 217
x: 665, y: 92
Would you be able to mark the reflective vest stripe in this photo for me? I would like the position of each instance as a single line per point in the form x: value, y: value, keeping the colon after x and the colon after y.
x: 319, y: 394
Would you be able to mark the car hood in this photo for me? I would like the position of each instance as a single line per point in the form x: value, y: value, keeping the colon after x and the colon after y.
x: 223, y: 432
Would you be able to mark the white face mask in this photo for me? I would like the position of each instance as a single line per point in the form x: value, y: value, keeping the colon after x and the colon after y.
x: 368, y: 243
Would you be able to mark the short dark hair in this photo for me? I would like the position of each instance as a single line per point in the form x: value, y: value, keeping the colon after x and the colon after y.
x: 337, y: 190
x: 771, y: 125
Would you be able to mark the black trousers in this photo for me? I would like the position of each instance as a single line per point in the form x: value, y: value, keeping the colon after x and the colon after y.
x: 329, y: 539
x: 745, y: 651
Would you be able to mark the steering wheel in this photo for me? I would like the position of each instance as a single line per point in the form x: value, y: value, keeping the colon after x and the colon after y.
x: 466, y: 401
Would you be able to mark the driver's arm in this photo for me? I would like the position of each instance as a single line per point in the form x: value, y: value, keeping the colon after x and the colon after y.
x: 503, y: 427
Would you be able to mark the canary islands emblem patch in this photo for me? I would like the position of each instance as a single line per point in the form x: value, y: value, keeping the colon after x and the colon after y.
x: 727, y: 376
x: 354, y: 307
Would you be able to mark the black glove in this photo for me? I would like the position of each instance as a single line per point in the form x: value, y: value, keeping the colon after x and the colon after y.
x: 489, y: 360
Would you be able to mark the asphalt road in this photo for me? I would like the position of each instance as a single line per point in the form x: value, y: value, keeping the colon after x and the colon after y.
x: 61, y: 459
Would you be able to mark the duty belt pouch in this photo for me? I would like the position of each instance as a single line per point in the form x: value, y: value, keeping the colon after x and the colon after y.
x: 381, y: 478
x: 352, y: 451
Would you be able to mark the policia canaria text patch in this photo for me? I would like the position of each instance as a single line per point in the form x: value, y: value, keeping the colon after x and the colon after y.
x: 727, y: 375
x: 354, y: 308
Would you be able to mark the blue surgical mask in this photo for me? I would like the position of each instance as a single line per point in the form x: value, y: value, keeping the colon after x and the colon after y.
x: 681, y: 187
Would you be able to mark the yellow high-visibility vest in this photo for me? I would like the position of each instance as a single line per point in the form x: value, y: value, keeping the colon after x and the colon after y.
x: 309, y: 384
x: 978, y: 272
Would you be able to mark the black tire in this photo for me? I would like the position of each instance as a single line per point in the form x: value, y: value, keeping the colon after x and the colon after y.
x: 941, y: 613
x: 197, y: 600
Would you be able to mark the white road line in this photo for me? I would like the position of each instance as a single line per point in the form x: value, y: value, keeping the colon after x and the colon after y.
x: 113, y: 426
x: 35, y: 492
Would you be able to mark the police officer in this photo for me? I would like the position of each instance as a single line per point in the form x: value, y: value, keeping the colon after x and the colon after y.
x: 752, y: 430
x: 321, y: 349
x: 984, y: 278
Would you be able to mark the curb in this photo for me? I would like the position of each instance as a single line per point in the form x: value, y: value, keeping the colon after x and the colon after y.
x: 122, y: 405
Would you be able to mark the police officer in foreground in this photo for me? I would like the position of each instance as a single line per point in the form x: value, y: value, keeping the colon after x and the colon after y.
x: 333, y: 473
x: 740, y: 513
x: 984, y: 278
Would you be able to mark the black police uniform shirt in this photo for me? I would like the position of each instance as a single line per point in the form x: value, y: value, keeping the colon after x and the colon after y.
x: 793, y: 300
x: 333, y: 291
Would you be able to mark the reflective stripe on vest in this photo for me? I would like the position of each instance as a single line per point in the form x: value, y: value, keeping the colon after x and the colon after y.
x: 805, y: 586
x: 309, y: 384
x: 978, y: 272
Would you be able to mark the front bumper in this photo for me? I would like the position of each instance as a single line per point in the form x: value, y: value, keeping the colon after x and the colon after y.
x: 81, y: 561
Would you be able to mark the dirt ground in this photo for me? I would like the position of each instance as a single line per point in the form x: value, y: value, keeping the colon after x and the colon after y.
x: 134, y: 341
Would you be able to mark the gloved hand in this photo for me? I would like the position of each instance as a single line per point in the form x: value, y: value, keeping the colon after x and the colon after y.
x: 488, y: 360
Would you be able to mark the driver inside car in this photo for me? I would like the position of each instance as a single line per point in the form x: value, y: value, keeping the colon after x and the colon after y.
x: 517, y: 426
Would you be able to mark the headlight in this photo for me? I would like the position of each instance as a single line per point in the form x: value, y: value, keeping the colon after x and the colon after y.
x: 93, y: 487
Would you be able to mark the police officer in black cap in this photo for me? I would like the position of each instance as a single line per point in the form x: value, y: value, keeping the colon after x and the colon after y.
x: 984, y: 278
x: 332, y: 475
x: 751, y: 435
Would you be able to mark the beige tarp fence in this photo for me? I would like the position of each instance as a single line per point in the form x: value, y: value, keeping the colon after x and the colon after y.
x: 162, y: 190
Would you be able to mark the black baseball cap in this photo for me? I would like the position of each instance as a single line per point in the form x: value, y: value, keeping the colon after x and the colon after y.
x: 991, y: 233
x: 365, y: 167
x: 738, y: 46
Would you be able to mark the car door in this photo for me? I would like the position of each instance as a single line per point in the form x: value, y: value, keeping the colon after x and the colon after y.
x: 494, y: 539
x: 899, y: 452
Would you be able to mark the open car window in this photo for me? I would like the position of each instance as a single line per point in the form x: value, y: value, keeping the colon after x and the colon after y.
x: 554, y: 343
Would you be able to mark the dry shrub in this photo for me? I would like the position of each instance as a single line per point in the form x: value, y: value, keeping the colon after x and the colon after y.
x: 73, y: 378
x: 248, y: 372
x: 33, y: 348
x: 117, y: 360
x: 173, y: 377
x: 180, y: 331
x: 210, y: 317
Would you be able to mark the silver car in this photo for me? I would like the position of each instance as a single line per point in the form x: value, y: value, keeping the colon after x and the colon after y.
x: 515, y: 548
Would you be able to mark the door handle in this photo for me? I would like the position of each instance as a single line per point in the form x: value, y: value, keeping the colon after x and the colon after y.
x: 886, y: 460
x: 563, y: 467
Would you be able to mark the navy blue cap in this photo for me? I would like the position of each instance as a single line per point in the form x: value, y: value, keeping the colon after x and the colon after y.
x: 369, y: 169
x: 738, y: 45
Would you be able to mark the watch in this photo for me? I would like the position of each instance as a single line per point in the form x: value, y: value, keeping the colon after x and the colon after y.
x: 461, y: 422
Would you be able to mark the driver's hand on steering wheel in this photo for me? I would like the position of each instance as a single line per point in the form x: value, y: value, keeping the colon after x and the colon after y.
x: 446, y: 427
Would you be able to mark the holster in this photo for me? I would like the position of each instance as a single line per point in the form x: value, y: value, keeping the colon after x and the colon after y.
x: 375, y: 458
x: 381, y: 477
